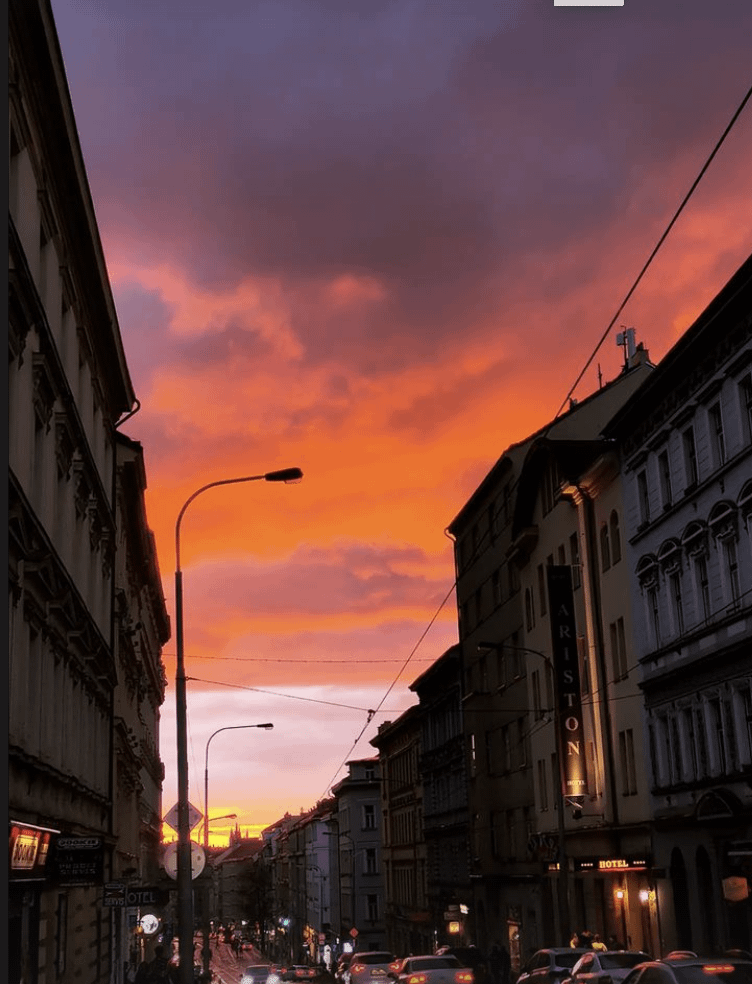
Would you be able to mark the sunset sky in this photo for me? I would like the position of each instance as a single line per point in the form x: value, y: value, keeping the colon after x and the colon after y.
x: 377, y: 240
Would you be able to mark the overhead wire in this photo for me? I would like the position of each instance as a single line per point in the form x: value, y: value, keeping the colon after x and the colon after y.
x: 544, y: 431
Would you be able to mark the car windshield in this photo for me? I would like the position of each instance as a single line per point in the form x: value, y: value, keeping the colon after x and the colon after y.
x: 372, y: 958
x: 612, y: 961
x: 714, y: 972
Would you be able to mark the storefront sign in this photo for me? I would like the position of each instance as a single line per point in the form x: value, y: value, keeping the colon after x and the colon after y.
x: 28, y: 851
x: 79, y: 860
x: 566, y: 664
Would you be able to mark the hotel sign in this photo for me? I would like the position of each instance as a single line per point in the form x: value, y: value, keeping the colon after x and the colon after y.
x: 566, y: 665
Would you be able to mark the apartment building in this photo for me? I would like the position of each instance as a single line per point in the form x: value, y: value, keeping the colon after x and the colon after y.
x: 514, y: 526
x: 87, y: 618
x: 686, y: 445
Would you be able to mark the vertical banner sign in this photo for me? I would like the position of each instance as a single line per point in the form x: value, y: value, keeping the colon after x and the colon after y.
x: 571, y: 736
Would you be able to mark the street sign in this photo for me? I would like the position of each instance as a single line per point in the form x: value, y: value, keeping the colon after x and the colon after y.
x: 353, y: 932
x: 114, y: 894
x: 194, y: 817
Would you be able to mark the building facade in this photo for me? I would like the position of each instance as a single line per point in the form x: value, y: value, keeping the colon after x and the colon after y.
x: 443, y: 776
x: 87, y: 618
x: 513, y: 527
x: 686, y: 443
x: 407, y: 917
x: 360, y: 855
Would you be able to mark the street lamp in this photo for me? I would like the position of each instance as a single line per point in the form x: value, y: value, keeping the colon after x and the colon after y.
x: 185, y: 888
x: 267, y: 726
x: 563, y: 870
x: 206, y: 952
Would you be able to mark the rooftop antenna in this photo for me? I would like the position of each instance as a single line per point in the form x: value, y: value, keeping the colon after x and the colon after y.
x: 626, y: 339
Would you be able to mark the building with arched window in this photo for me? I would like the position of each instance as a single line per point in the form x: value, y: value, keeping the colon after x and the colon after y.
x: 686, y: 441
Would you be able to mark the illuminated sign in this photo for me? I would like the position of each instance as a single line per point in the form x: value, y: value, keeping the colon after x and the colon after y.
x: 28, y: 851
x: 641, y: 863
x: 566, y: 664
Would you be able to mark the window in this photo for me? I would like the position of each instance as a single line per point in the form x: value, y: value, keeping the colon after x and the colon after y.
x: 536, y: 688
x: 627, y: 760
x: 369, y: 816
x: 555, y: 778
x: 664, y: 474
x: 718, y: 736
x: 654, y: 614
x: 371, y: 867
x: 561, y: 555
x: 605, y: 548
x: 677, y: 603
x: 691, y: 475
x: 618, y: 649
x: 549, y: 487
x: 574, y: 553
x: 372, y: 908
x: 717, y: 439
x: 529, y: 610
x: 688, y: 731
x: 613, y: 523
x: 643, y: 497
x: 542, y: 786
x: 745, y: 391
x: 731, y: 565
x: 542, y: 589
x: 702, y: 587
x: 492, y: 521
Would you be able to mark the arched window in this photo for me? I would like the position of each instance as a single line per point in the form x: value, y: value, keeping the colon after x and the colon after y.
x: 613, y: 523
x: 605, y: 548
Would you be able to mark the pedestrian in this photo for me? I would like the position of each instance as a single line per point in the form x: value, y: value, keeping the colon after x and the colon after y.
x: 598, y: 944
x: 575, y: 941
x: 159, y: 971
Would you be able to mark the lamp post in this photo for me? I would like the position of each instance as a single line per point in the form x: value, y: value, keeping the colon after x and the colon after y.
x: 267, y: 726
x: 184, y: 879
x: 563, y: 868
x: 206, y: 951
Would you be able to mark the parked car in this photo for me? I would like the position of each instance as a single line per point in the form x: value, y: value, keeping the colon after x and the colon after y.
x: 371, y: 965
x: 431, y: 969
x: 692, y: 970
x: 606, y: 967
x: 551, y: 965
x: 256, y: 974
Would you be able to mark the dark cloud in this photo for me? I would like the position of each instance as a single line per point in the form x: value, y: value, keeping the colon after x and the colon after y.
x: 429, y: 148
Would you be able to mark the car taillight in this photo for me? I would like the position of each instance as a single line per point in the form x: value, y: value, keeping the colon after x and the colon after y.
x: 717, y: 968
x: 394, y: 966
x: 464, y: 977
x: 356, y: 968
x: 417, y: 979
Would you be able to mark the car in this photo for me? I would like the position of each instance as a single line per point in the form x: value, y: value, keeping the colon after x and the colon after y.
x: 431, y: 968
x: 551, y: 964
x: 469, y: 956
x: 256, y: 974
x: 722, y: 969
x: 371, y: 965
x: 299, y: 972
x: 605, y: 967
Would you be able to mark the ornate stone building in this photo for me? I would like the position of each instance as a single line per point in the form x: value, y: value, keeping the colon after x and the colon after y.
x: 86, y: 612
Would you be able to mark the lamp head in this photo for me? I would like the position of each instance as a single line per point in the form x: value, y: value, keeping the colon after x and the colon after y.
x: 267, y: 726
x: 284, y: 475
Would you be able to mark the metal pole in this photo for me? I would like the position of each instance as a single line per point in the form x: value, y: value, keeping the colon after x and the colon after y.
x: 184, y: 880
x: 185, y: 875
